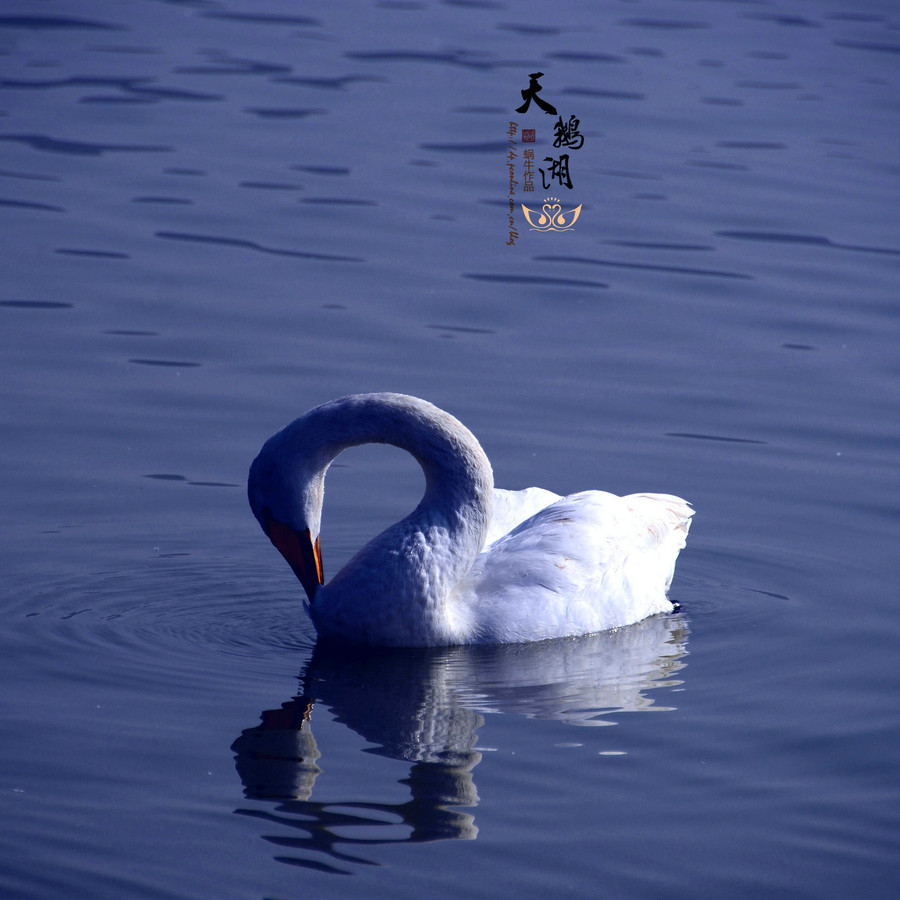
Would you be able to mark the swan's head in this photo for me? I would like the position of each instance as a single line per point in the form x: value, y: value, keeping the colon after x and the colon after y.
x: 285, y: 496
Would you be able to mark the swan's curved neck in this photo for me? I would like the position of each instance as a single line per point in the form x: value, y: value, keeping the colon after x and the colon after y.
x: 456, y: 468
x: 458, y: 477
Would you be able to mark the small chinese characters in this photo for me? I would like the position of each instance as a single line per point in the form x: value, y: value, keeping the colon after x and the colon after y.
x: 528, y: 170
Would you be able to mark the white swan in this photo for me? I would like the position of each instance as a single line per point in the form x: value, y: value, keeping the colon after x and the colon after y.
x: 470, y: 564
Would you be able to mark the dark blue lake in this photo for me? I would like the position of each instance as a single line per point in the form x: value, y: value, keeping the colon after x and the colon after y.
x: 217, y: 215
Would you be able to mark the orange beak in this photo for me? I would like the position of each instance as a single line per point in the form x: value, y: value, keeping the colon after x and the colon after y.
x: 301, y: 553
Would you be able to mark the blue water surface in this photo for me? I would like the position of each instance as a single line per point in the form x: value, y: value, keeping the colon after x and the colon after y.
x: 217, y: 215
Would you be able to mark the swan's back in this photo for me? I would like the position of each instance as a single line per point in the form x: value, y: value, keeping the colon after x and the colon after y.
x: 586, y: 563
x: 511, y: 508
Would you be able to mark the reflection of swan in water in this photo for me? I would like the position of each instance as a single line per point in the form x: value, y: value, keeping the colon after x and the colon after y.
x: 425, y: 706
x: 470, y: 564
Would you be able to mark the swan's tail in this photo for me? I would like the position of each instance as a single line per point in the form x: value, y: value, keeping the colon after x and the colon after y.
x: 669, y: 520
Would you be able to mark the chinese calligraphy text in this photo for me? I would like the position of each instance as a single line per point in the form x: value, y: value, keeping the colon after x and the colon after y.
x: 566, y: 138
x: 531, y: 93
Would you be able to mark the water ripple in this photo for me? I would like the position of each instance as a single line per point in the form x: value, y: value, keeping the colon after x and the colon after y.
x: 752, y: 145
x: 25, y: 204
x: 475, y: 4
x: 284, y: 112
x: 871, y: 46
x: 660, y: 245
x: 27, y: 176
x: 535, y: 280
x: 714, y: 164
x: 713, y: 437
x: 45, y: 23
x: 792, y: 21
x: 130, y: 332
x: 813, y: 240
x: 646, y: 267
x: 540, y: 30
x: 332, y: 84
x: 481, y: 147
x: 463, y: 329
x: 91, y: 254
x: 135, y: 86
x: 169, y: 363
x: 81, y: 148
x: 176, y: 201
x: 35, y: 304
x: 456, y: 58
x: 571, y: 56
x: 160, y: 618
x: 664, y: 24
x: 251, y: 245
x: 605, y: 94
x: 261, y: 18
x: 769, y: 85
x: 338, y: 201
x: 225, y: 64
x: 270, y: 185
x: 322, y: 170
x: 112, y: 100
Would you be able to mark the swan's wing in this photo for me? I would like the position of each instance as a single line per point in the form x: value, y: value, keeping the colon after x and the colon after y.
x: 589, y: 562
x: 511, y: 508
